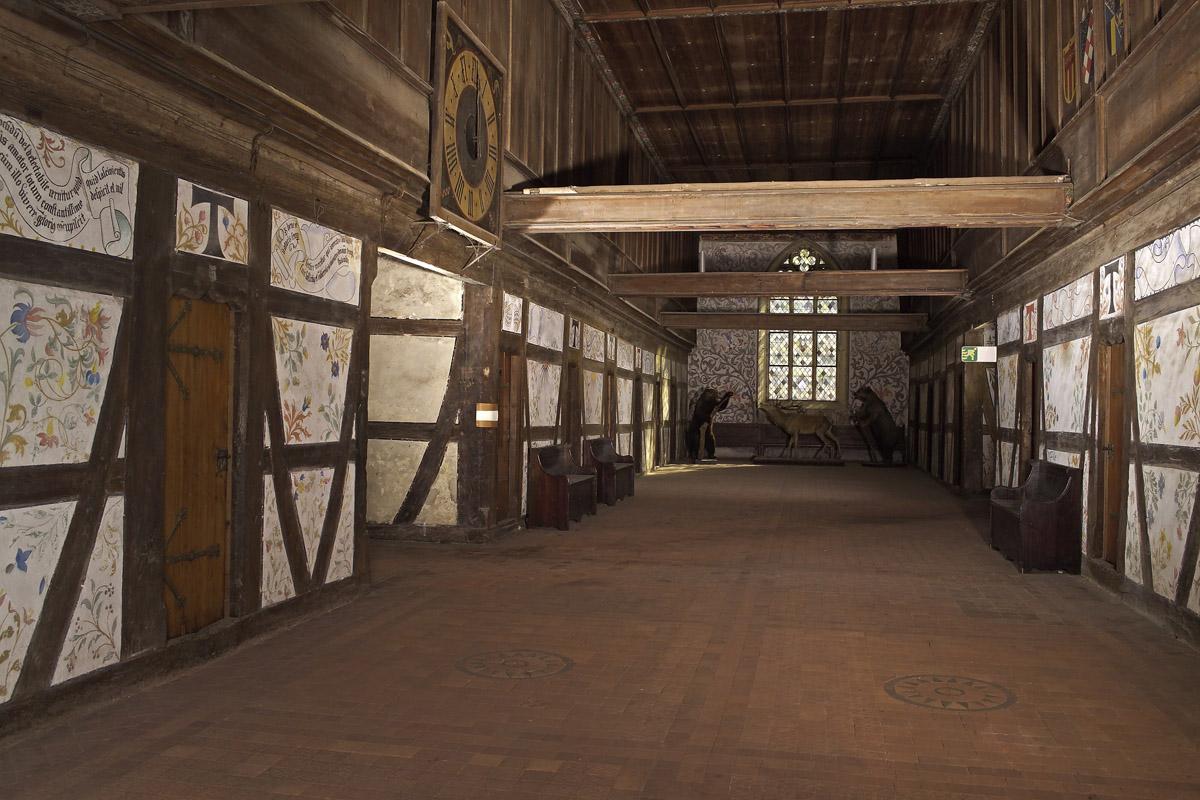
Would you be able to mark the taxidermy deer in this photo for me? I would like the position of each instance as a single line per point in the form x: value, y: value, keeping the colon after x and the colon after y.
x: 798, y: 423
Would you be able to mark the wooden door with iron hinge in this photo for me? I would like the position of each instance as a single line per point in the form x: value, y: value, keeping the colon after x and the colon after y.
x: 199, y: 406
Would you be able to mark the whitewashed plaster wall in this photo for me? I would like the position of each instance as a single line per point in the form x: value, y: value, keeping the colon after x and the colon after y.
x: 401, y: 291
x: 408, y: 377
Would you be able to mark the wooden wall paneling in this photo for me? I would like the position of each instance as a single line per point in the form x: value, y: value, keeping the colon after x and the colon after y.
x: 416, y: 35
x: 383, y: 23
x: 480, y: 384
x: 45, y: 644
x: 143, y: 625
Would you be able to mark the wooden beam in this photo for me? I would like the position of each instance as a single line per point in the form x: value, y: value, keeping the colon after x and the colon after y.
x: 798, y: 102
x: 722, y: 320
x: 844, y: 283
x: 1021, y: 202
x: 701, y: 10
x: 202, y: 5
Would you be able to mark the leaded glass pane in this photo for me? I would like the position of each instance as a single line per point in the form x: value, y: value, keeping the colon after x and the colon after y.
x: 827, y: 349
x: 779, y: 348
x: 803, y: 260
x: 777, y: 383
x: 781, y: 305
x: 827, y: 383
x: 804, y: 305
x: 827, y: 305
x: 802, y: 387
x: 802, y: 348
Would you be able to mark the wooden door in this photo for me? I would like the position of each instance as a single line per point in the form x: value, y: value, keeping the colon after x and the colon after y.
x: 510, y: 466
x: 199, y: 406
x: 1111, y: 469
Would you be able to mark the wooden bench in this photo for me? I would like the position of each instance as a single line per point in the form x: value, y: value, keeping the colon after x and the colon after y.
x: 1037, y: 526
x: 559, y: 491
x: 614, y: 471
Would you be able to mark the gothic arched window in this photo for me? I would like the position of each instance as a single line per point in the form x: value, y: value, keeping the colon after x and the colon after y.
x: 802, y: 366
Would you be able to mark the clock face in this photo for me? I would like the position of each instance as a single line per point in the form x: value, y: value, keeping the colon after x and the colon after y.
x: 470, y: 136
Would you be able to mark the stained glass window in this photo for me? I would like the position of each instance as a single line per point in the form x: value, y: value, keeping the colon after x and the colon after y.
x: 804, y: 364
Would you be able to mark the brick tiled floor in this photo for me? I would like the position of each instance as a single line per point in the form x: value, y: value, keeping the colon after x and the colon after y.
x: 731, y: 631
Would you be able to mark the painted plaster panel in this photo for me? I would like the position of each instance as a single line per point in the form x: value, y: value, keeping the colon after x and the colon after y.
x: 441, y: 507
x: 1170, y: 498
x: 310, y: 492
x: 648, y: 366
x: 341, y: 560
x: 312, y: 362
x: 545, y: 327
x: 58, y: 190
x: 624, y: 355
x: 1167, y: 358
x: 391, y: 467
x: 1112, y: 289
x: 727, y: 360
x: 625, y: 443
x: 1006, y: 401
x: 877, y: 361
x: 610, y: 346
x: 276, y: 582
x: 1008, y: 326
x: 1065, y: 382
x: 1170, y: 261
x: 593, y: 397
x: 1029, y: 322
x: 408, y: 377
x: 314, y: 260
x: 57, y: 358
x: 593, y: 343
x: 1068, y: 459
x: 1068, y: 303
x: 624, y: 401
x: 211, y: 223
x: 1133, y: 535
x: 512, y: 313
x: 647, y: 403
x: 402, y: 291
x: 31, y: 540
x: 1007, y: 474
x: 94, y: 635
x: 543, y: 380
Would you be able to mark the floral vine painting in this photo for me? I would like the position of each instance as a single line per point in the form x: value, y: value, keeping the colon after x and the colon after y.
x: 1170, y: 261
x: 31, y: 540
x: 624, y: 402
x: 1008, y: 326
x: 1167, y: 360
x: 310, y: 492
x: 94, y: 636
x: 593, y: 397
x: 1006, y: 400
x: 593, y: 343
x: 1170, y: 497
x: 341, y: 561
x: 1068, y: 303
x: 543, y: 382
x: 312, y: 362
x: 1065, y: 378
x: 55, y: 359
x: 276, y: 583
x: 211, y: 223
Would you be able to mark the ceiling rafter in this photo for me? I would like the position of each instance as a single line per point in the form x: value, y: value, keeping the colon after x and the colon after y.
x: 905, y: 49
x: 777, y: 7
x: 843, y: 59
x: 733, y: 93
x: 799, y: 102
x: 785, y: 69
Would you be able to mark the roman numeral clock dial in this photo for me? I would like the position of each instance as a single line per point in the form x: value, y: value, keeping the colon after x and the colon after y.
x: 465, y: 190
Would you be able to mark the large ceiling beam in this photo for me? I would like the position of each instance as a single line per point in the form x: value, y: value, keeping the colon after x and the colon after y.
x: 1021, y: 202
x: 798, y: 102
x: 732, y: 320
x: 704, y: 10
x: 844, y: 283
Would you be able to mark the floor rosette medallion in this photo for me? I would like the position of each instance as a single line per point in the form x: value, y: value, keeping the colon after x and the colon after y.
x: 509, y: 664
x: 949, y: 693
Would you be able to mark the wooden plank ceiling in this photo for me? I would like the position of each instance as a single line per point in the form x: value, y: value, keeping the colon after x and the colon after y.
x: 757, y: 90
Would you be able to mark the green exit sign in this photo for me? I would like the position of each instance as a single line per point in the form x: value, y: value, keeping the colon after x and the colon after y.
x: 979, y: 355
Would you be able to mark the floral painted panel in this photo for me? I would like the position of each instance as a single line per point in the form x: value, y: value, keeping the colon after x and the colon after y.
x: 1008, y: 326
x: 211, y: 223
x: 311, y: 362
x: 57, y: 357
x: 31, y: 540
x: 877, y: 361
x: 545, y: 327
x: 1167, y: 262
x: 276, y: 584
x: 94, y: 636
x: 310, y: 492
x: 1029, y: 322
x: 593, y: 343
x: 648, y: 365
x: 341, y: 561
x: 1006, y: 402
x: 312, y: 259
x: 55, y: 189
x: 1170, y: 498
x: 1065, y: 378
x: 727, y: 360
x: 512, y: 313
x: 625, y: 443
x: 1167, y: 359
x: 624, y: 401
x: 1067, y: 304
x: 593, y: 397
x: 1133, y: 534
x: 1112, y: 288
x: 543, y: 380
x: 647, y: 404
x: 624, y: 355
x: 1007, y: 474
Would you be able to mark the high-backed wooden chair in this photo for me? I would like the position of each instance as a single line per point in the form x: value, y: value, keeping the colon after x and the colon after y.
x: 1037, y: 526
x: 614, y: 472
x: 559, y: 491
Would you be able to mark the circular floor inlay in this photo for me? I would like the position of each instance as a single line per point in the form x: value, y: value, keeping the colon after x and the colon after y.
x: 515, y: 664
x: 949, y: 693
